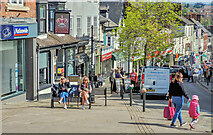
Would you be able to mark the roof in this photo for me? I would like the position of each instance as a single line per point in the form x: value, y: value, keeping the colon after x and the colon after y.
x: 53, y: 40
x: 102, y: 19
x: 110, y: 23
x: 115, y: 10
x: 201, y: 26
x: 185, y: 20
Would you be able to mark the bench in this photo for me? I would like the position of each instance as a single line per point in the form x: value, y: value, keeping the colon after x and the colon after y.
x: 73, y: 95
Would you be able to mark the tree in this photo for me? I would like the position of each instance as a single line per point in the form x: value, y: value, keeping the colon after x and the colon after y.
x: 147, y: 28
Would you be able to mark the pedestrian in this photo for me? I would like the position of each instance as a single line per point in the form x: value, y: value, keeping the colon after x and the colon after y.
x: 100, y: 81
x: 122, y: 71
x: 190, y: 74
x: 111, y: 78
x: 208, y: 75
x: 84, y: 89
x: 134, y: 78
x: 194, y: 110
x: 199, y: 74
x: 141, y: 68
x: 63, y: 87
x: 118, y: 74
x: 176, y: 94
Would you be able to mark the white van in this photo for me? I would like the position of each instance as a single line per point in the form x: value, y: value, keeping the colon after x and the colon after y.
x: 156, y: 81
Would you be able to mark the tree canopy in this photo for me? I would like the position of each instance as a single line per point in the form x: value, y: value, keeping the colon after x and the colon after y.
x: 148, y: 27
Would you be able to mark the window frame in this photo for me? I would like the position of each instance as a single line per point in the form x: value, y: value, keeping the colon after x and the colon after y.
x: 18, y: 2
x: 95, y: 26
x: 79, y: 29
x: 39, y: 19
x: 89, y: 26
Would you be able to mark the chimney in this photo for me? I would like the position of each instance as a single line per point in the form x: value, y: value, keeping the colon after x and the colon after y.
x: 198, y: 17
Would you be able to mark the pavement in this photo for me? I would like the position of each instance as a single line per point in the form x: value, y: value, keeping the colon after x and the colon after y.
x: 117, y: 117
x: 204, y: 84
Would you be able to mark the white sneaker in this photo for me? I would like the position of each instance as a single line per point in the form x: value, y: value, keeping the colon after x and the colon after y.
x: 65, y: 106
x: 87, y: 102
x: 59, y: 101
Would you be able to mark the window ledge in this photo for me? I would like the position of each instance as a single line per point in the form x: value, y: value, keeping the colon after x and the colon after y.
x: 17, y: 8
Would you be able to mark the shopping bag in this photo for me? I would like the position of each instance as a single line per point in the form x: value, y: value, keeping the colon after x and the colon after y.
x: 169, y: 111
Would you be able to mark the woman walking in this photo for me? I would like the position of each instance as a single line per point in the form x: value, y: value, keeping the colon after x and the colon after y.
x: 176, y: 94
x: 85, y: 88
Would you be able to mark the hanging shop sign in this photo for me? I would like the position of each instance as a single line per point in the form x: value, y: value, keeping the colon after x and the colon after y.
x: 62, y: 23
x: 106, y: 53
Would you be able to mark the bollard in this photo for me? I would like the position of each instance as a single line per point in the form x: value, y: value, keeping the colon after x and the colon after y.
x: 144, y: 99
x: 121, y: 91
x: 130, y: 88
x: 105, y: 93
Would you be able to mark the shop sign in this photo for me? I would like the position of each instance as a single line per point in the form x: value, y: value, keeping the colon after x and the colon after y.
x: 7, y: 32
x: 81, y: 49
x: 106, y: 56
x: 21, y: 31
x: 106, y: 53
x: 62, y: 23
x: 60, y: 70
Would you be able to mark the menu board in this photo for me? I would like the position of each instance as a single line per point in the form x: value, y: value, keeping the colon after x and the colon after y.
x: 118, y: 84
x: 127, y: 83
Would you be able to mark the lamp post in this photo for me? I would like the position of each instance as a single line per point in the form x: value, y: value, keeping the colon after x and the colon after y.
x: 92, y: 57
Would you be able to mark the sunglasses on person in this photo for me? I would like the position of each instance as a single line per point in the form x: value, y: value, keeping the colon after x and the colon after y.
x: 85, y: 80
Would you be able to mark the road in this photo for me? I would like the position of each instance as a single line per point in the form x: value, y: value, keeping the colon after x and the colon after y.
x: 191, y: 89
x: 204, y: 95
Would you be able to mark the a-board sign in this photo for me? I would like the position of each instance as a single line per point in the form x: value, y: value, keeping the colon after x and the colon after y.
x: 127, y: 83
x: 118, y: 84
x: 73, y: 91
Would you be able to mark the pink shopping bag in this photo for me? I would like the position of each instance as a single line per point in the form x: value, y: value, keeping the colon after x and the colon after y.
x: 169, y: 111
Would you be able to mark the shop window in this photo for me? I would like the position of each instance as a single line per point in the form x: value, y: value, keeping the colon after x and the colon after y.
x: 43, y: 68
x: 12, y: 67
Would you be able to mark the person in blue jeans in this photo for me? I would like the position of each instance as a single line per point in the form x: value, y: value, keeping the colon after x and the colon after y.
x: 100, y: 80
x: 63, y: 86
x: 176, y: 96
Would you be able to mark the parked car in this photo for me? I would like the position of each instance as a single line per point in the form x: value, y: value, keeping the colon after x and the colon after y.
x: 181, y: 69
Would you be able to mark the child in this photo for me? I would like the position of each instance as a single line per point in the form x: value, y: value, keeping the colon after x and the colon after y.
x: 194, y: 110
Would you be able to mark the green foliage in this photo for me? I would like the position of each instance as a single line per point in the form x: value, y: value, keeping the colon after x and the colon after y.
x: 147, y: 28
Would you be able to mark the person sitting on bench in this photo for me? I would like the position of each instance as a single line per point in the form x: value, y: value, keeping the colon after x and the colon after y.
x: 100, y: 81
x: 63, y: 87
x: 85, y: 88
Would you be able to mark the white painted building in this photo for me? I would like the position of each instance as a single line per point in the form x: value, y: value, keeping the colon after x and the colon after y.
x: 84, y: 13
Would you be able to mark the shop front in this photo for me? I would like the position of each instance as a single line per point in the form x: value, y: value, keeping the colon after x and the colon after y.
x: 106, y: 61
x: 17, y: 42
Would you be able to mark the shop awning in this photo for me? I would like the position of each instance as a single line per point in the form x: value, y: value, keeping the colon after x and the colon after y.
x: 52, y: 41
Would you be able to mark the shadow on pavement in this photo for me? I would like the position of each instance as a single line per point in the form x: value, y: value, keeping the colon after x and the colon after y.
x: 154, y: 124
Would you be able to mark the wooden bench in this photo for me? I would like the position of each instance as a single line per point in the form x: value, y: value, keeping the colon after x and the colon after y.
x: 73, y: 96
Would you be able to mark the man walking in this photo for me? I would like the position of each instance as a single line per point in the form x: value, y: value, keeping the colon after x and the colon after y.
x: 111, y: 78
x: 190, y: 74
x: 208, y: 75
x: 200, y: 72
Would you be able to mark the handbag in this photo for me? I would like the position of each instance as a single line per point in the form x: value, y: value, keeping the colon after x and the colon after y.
x: 169, y: 111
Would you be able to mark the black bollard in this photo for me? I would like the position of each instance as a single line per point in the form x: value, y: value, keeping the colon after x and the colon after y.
x: 144, y: 101
x: 130, y: 97
x: 121, y: 92
x: 105, y: 93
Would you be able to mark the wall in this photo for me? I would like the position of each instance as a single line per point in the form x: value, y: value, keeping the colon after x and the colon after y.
x: 31, y: 4
x: 83, y: 9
